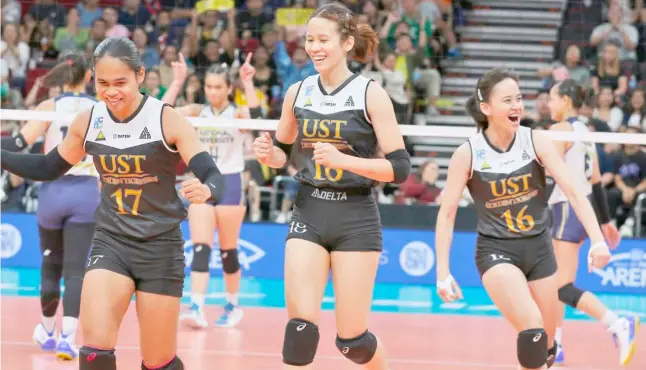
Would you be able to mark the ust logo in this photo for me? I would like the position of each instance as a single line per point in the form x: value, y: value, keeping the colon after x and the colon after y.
x: 510, y: 186
x: 328, y: 131
x: 417, y: 258
x: 122, y: 164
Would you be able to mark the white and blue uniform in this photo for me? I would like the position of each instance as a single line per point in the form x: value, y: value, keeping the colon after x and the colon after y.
x: 579, y: 160
x: 73, y: 197
x: 226, y: 146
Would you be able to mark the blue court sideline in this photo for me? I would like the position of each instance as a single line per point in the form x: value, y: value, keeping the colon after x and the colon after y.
x: 23, y: 282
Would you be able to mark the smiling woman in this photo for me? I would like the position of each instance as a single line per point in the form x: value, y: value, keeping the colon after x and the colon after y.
x: 136, y: 143
x: 504, y: 167
x: 340, y: 125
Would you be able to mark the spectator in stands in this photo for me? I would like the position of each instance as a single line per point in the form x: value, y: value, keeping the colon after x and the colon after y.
x: 149, y: 53
x: 96, y: 35
x: 394, y: 82
x: 291, y: 69
x: 134, y: 14
x: 114, y: 28
x: 417, y: 68
x: 573, y: 68
x: 586, y: 115
x: 89, y: 11
x: 205, y: 57
x: 14, y: 53
x: 421, y: 187
x: 165, y: 68
x: 617, y: 31
x: 192, y: 93
x: 412, y: 14
x: 606, y: 109
x: 11, y: 11
x: 72, y: 36
x: 541, y: 113
x: 249, y: 23
x: 635, y: 110
x: 212, y: 25
x: 610, y: 72
x: 152, y: 86
x: 50, y: 10
x: 230, y: 53
x: 630, y: 181
x: 266, y: 78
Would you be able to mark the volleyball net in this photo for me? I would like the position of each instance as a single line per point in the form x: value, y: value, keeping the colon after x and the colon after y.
x: 407, y: 130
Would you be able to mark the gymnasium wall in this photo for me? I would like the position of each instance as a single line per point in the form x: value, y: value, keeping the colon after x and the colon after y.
x: 408, y: 257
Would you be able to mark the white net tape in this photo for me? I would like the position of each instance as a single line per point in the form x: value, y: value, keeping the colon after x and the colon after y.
x: 407, y: 130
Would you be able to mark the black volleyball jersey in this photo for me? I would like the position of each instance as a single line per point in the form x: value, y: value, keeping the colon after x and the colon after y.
x: 339, y: 118
x: 508, y: 188
x: 138, y: 172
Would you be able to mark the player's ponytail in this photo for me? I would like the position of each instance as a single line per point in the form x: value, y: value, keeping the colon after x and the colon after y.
x: 366, y: 41
x: 573, y: 90
x: 71, y: 70
x: 473, y: 108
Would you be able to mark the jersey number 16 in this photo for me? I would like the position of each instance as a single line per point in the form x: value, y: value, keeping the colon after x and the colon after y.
x: 521, y: 222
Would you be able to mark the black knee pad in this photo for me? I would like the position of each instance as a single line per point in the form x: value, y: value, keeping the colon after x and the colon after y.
x: 201, y: 258
x: 77, y: 242
x: 97, y: 359
x: 230, y: 262
x: 301, y: 342
x: 531, y: 348
x: 51, y: 270
x: 570, y: 295
x: 359, y: 350
x: 551, y: 355
x: 174, y: 364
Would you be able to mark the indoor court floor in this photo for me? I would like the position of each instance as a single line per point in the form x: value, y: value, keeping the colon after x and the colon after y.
x: 418, y: 330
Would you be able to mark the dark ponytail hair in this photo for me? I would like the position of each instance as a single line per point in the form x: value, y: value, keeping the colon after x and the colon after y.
x: 70, y: 70
x: 484, y: 87
x: 574, y: 91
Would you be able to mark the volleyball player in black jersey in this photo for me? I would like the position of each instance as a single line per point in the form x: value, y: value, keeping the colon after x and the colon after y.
x: 337, y: 124
x: 504, y: 168
x: 136, y: 142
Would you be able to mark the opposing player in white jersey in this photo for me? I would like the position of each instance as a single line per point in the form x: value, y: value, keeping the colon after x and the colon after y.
x: 66, y: 208
x: 226, y: 146
x: 568, y: 233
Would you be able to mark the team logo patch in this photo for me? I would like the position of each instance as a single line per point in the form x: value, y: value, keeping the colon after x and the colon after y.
x: 100, y: 136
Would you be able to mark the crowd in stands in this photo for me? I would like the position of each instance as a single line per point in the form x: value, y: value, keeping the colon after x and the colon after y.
x: 602, y: 44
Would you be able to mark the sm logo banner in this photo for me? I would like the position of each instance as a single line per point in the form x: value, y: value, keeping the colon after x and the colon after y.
x: 408, y: 257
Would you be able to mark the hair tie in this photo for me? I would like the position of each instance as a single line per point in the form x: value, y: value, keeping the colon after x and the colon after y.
x: 70, y: 62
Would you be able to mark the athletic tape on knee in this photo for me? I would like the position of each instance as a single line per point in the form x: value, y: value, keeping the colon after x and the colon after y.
x: 531, y: 348
x: 97, y: 359
x: 551, y: 355
x: 201, y: 258
x: 230, y: 261
x: 359, y: 350
x: 300, y: 343
x: 570, y: 295
x: 174, y: 364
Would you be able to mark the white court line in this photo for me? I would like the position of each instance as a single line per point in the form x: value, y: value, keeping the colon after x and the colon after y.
x: 457, y: 364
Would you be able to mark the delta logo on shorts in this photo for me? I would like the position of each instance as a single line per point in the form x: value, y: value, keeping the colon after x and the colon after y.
x: 248, y: 253
x: 10, y: 242
x: 417, y: 258
x: 626, y: 269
